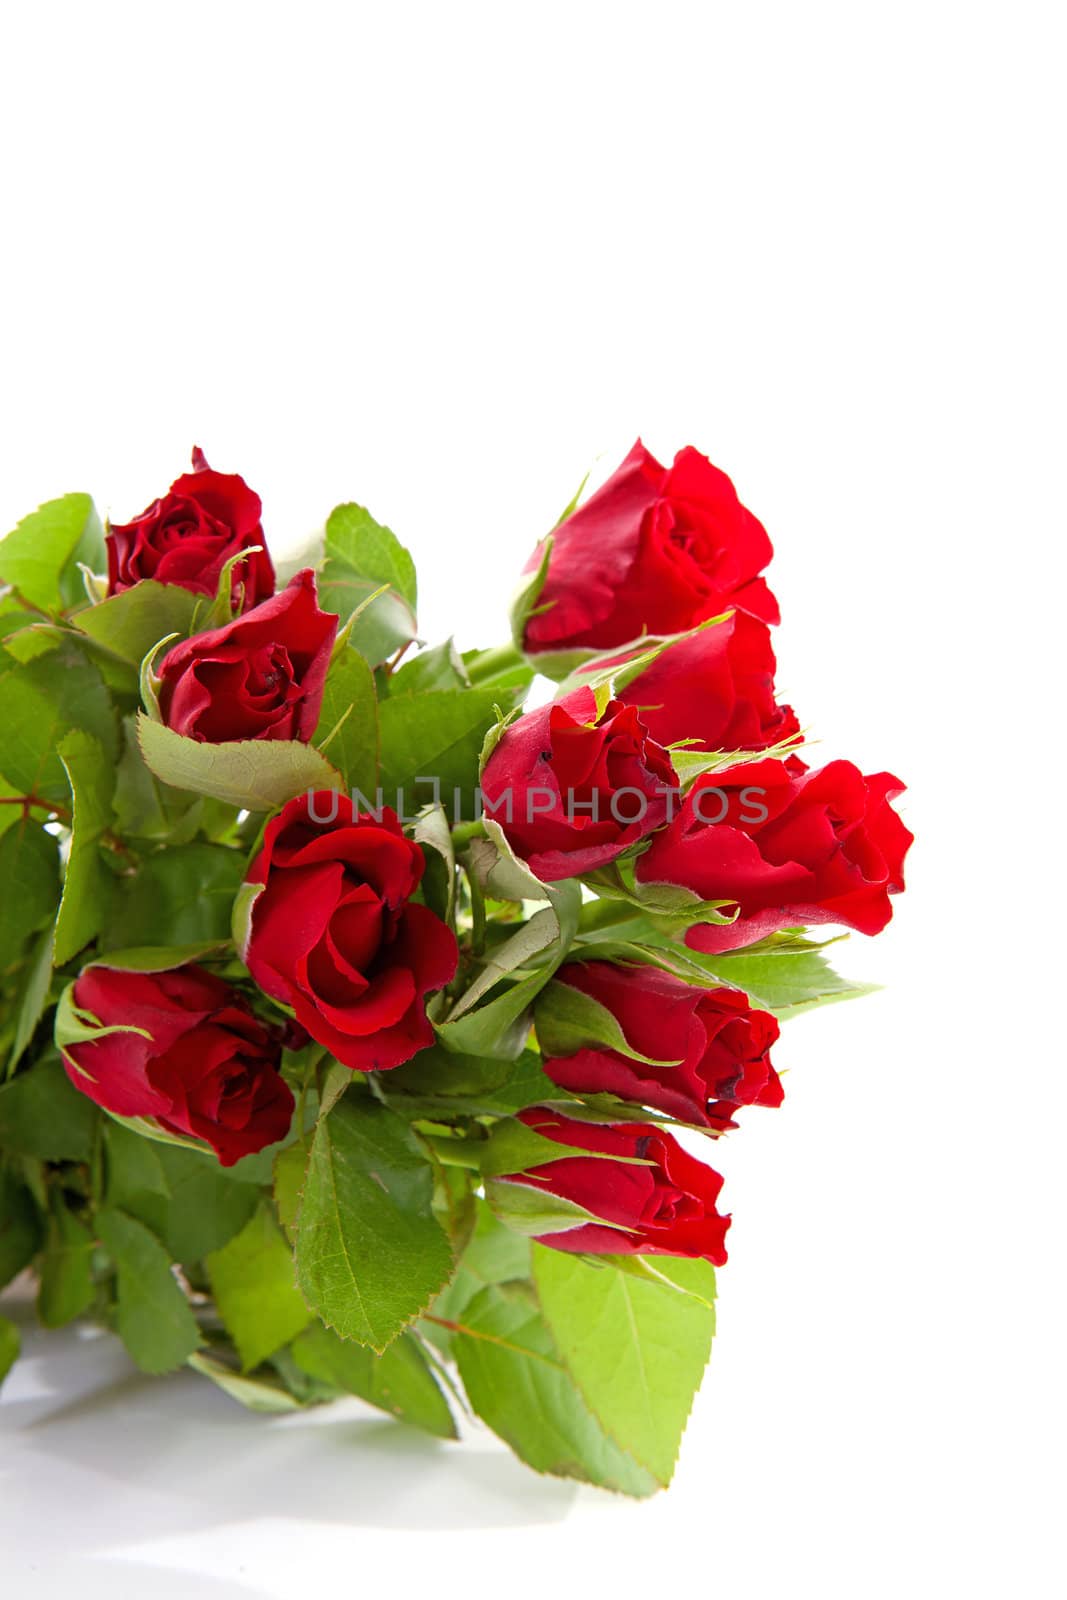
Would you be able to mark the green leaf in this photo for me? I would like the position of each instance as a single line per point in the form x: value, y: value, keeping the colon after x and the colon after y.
x: 41, y: 701
x: 152, y: 1316
x: 636, y: 1347
x: 66, y: 1269
x: 361, y: 556
x: 348, y: 722
x: 34, y: 988
x: 20, y: 1226
x: 9, y: 815
x: 132, y: 622
x: 252, y: 774
x: 675, y: 908
x: 604, y: 671
x: 179, y: 896
x: 29, y: 872
x: 40, y: 556
x: 88, y: 885
x: 259, y: 1393
x: 787, y: 978
x: 354, y: 538
x: 534, y: 1212
x: 188, y: 1201
x: 435, y: 735
x: 499, y: 1026
x: 399, y: 1381
x: 431, y: 830
x: 530, y: 940
x: 513, y: 1147
x: 254, y: 1288
x: 568, y: 1020
x: 462, y: 1085
x: 42, y: 1115
x: 290, y: 1170
x: 518, y: 1384
x: 10, y: 1345
x: 440, y: 667
x: 494, y: 1254
x: 309, y: 553
x: 524, y: 602
x: 370, y: 1252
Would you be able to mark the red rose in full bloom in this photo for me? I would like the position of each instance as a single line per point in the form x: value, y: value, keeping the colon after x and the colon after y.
x: 720, y: 1042
x: 187, y: 537
x: 716, y: 688
x: 659, y: 1194
x: 655, y: 550
x: 335, y: 936
x: 259, y: 677
x: 201, y: 1064
x: 571, y: 789
x: 790, y: 849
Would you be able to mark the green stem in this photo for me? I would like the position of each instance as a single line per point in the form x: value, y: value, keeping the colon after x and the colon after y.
x: 464, y: 832
x: 477, y: 914
x: 494, y: 663
x: 466, y: 1153
x: 596, y: 914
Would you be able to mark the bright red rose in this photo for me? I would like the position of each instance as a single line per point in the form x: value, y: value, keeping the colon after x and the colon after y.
x: 259, y: 677
x: 187, y: 537
x: 720, y: 1042
x: 662, y: 1196
x: 716, y: 688
x: 790, y: 849
x: 572, y: 789
x: 654, y: 550
x: 335, y: 936
x: 202, y: 1064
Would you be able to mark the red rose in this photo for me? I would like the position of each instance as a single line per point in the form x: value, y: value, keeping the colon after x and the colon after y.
x: 333, y: 933
x: 187, y: 537
x: 720, y: 1042
x: 716, y: 688
x: 259, y: 677
x: 654, y: 550
x: 662, y: 1196
x: 572, y: 789
x: 822, y: 846
x: 202, y: 1065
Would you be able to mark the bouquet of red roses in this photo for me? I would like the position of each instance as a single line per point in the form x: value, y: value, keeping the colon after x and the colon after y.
x: 363, y: 1033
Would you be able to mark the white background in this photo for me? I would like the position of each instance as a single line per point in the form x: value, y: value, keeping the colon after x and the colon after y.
x: 440, y: 259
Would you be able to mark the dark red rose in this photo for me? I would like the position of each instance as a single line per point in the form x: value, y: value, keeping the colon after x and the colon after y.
x: 572, y: 789
x: 655, y: 550
x: 715, y: 688
x: 720, y: 1043
x: 333, y: 933
x: 187, y: 537
x: 259, y: 677
x: 202, y: 1065
x: 658, y: 1192
x: 789, y: 849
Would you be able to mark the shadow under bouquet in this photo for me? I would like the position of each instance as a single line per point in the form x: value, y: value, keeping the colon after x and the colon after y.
x: 363, y: 1033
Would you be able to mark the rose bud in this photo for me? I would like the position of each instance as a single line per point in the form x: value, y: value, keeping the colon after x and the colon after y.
x: 200, y: 1063
x: 715, y: 688
x: 259, y: 677
x: 655, y: 550
x: 789, y: 849
x: 334, y: 935
x: 187, y: 537
x: 719, y: 1044
x: 659, y: 1197
x: 571, y: 789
